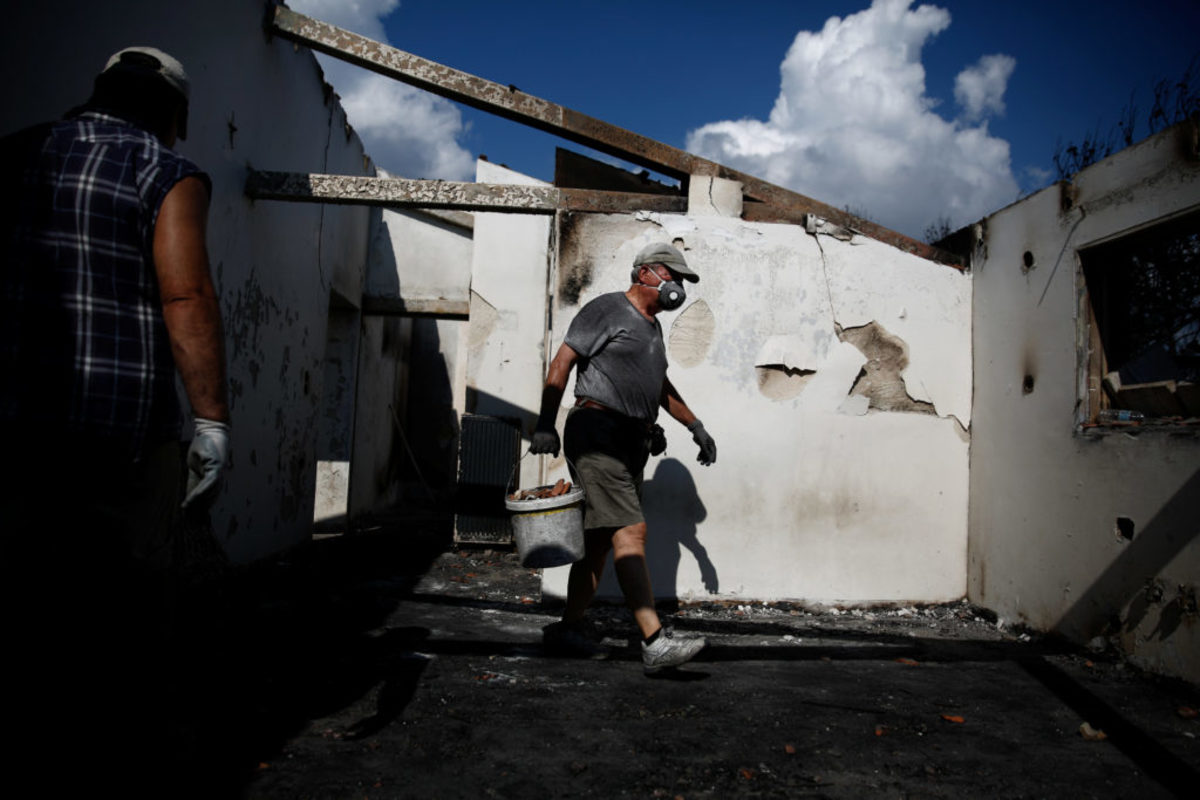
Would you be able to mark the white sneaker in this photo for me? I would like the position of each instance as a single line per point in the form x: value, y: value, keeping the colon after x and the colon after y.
x: 669, y: 651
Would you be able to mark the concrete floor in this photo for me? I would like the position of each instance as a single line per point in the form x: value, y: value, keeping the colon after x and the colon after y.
x: 392, y: 665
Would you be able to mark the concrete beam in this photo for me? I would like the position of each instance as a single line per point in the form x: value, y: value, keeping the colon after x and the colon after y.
x: 406, y: 193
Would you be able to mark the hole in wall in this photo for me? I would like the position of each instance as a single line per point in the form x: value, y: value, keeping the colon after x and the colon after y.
x: 1027, y: 261
x: 780, y: 382
x: 1125, y: 528
x: 1027, y: 385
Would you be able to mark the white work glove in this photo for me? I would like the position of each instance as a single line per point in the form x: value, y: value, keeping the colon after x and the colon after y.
x: 206, y: 459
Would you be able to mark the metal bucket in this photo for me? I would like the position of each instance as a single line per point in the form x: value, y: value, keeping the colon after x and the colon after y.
x: 548, y: 530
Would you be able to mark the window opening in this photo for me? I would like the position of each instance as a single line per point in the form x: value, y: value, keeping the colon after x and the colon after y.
x: 1143, y: 304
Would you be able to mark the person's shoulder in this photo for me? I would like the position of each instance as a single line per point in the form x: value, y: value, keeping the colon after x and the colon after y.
x: 609, y: 306
x: 607, y: 301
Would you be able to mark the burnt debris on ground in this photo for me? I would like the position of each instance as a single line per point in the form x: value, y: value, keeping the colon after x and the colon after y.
x: 393, y: 664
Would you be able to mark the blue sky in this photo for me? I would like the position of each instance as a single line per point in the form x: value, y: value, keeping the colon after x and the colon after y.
x: 903, y: 111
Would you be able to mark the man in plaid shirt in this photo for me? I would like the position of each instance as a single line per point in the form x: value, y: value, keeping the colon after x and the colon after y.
x: 106, y: 296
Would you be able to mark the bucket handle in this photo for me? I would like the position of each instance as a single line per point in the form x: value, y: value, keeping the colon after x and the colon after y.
x: 570, y: 464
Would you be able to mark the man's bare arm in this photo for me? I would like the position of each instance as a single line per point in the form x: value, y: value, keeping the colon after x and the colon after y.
x: 673, y: 404
x: 189, y: 300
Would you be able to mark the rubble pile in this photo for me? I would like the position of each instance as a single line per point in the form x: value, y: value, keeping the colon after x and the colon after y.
x: 541, y: 492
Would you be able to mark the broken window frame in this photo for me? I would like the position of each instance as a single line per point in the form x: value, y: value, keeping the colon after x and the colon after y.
x: 1096, y: 378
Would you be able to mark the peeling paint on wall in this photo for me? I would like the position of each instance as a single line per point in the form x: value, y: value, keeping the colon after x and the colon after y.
x: 692, y: 334
x: 881, y: 381
x: 245, y: 313
x: 785, y: 365
x: 921, y: 303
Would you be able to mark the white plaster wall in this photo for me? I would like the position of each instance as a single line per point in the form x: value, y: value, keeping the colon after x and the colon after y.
x: 426, y: 255
x: 1044, y: 499
x: 812, y: 497
x: 505, y: 365
x: 260, y: 102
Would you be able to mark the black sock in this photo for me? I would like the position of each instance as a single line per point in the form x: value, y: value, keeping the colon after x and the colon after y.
x: 652, y: 638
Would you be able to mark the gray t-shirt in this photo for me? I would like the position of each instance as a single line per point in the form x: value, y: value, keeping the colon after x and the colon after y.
x: 622, y: 360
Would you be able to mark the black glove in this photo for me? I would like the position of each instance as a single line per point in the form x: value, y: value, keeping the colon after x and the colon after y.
x: 545, y: 441
x: 658, y: 440
x: 708, y: 448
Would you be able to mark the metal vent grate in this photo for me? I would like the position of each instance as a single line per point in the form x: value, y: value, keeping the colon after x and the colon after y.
x: 488, y: 449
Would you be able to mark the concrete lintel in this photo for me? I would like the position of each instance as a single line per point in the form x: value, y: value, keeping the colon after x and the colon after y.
x: 399, y: 192
x: 461, y: 196
x: 436, y: 308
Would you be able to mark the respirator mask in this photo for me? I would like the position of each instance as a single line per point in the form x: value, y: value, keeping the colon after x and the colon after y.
x: 670, y: 293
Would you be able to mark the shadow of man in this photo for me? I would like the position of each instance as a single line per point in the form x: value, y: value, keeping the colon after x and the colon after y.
x: 673, y: 509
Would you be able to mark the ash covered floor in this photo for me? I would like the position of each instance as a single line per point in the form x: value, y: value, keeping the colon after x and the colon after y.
x: 391, y: 664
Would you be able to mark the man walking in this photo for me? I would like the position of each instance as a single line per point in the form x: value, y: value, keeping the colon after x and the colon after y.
x: 107, y: 296
x: 616, y: 345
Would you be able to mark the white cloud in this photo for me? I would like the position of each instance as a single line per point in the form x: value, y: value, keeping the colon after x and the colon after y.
x: 364, y: 17
x: 980, y: 89
x: 852, y: 126
x: 406, y: 131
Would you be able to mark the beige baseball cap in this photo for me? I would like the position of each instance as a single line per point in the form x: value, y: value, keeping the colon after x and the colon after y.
x: 662, y: 253
x: 151, y: 59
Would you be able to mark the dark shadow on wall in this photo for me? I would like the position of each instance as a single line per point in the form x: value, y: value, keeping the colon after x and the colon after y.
x: 1128, y: 578
x: 481, y: 402
x: 382, y: 271
x: 431, y: 424
x: 673, y: 510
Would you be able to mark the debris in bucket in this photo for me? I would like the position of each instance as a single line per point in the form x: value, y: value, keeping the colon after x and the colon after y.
x: 542, y: 492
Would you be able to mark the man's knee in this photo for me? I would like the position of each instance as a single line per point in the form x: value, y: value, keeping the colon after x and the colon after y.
x: 630, y: 540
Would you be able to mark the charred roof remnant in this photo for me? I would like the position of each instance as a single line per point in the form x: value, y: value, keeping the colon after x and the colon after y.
x: 767, y: 202
x: 577, y: 171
